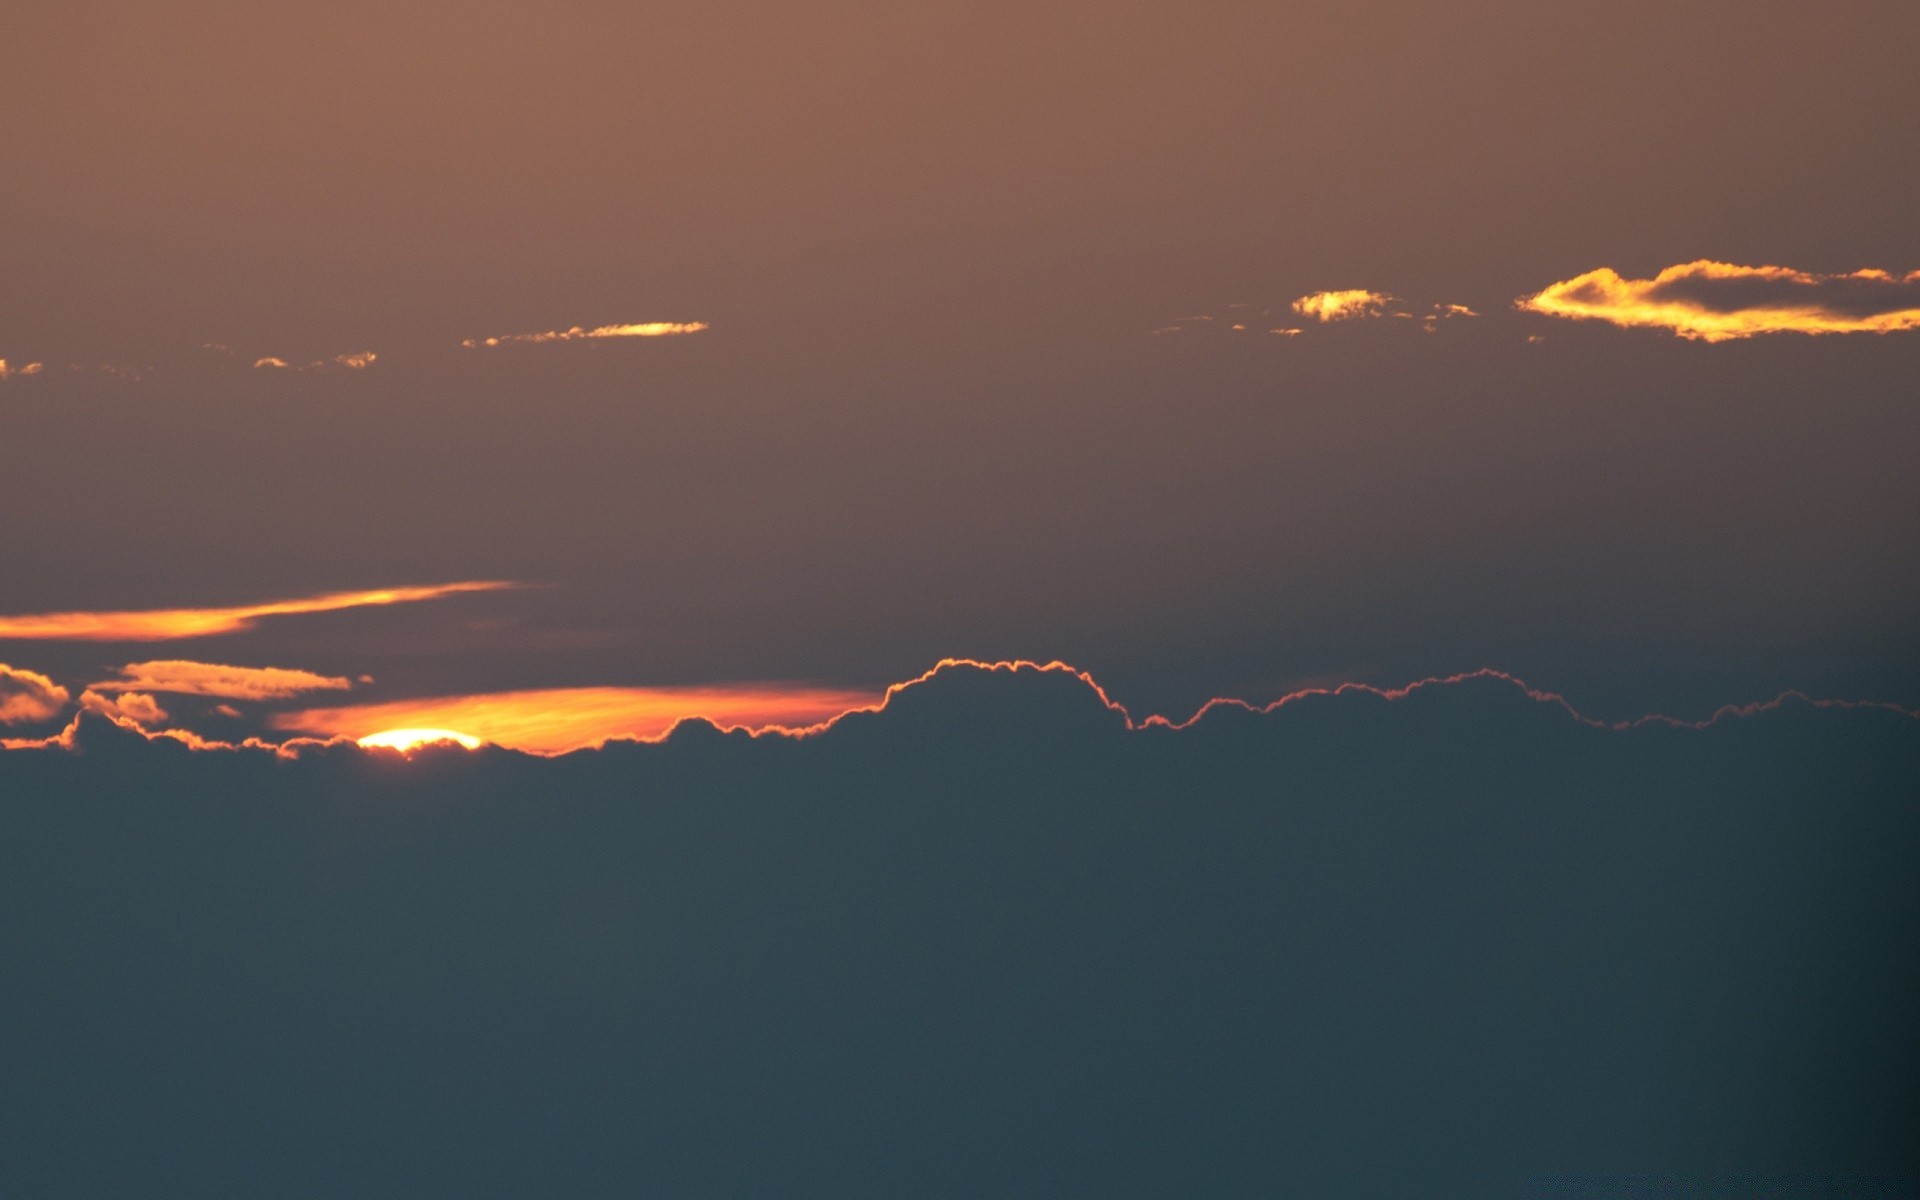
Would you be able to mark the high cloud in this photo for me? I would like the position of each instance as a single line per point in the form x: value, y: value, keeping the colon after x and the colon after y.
x: 1716, y: 302
x: 27, y: 696
x: 556, y: 720
x: 156, y: 625
x: 1343, y: 305
x: 645, y: 329
x: 183, y: 677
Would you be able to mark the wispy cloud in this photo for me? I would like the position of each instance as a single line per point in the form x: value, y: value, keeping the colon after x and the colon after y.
x: 28, y: 696
x: 155, y: 625
x: 32, y: 368
x: 352, y: 362
x: 560, y: 719
x: 645, y: 329
x: 1716, y: 302
x: 1344, y: 305
x: 185, y: 677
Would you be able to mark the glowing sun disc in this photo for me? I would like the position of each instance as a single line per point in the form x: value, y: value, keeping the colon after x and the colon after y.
x: 409, y: 739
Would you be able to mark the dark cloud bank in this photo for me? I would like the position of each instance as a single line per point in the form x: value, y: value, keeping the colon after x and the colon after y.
x: 987, y: 942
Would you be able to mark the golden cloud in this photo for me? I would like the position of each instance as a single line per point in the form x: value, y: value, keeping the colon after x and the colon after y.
x: 1715, y: 302
x: 187, y: 678
x: 645, y: 329
x: 157, y: 625
x: 1343, y: 305
x: 353, y: 362
x: 32, y: 368
x: 28, y: 696
x: 137, y: 707
x: 556, y: 720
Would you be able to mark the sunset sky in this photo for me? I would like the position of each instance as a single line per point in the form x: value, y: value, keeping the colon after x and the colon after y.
x: 1217, y: 349
x: 920, y: 599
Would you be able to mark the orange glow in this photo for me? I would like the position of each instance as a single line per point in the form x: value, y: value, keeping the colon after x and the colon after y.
x: 412, y: 739
x: 157, y: 625
x: 645, y: 329
x: 1342, y: 305
x: 556, y: 720
x: 1715, y: 302
x: 137, y: 707
x: 32, y: 368
x: 186, y: 678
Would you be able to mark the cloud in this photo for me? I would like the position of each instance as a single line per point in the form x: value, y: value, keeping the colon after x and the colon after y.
x: 155, y: 625
x: 1380, y: 938
x: 32, y: 368
x: 137, y: 707
x: 1716, y: 302
x: 1343, y: 305
x: 27, y: 697
x: 645, y: 329
x: 556, y: 720
x: 184, y: 677
x: 353, y: 362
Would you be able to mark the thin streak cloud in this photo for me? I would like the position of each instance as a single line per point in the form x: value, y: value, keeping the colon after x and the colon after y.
x: 353, y: 362
x: 32, y: 368
x: 188, y: 678
x: 645, y: 329
x: 1715, y: 302
x: 157, y: 625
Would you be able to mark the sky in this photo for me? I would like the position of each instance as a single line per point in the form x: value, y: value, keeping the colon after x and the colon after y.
x: 811, y: 347
x: 1067, y: 598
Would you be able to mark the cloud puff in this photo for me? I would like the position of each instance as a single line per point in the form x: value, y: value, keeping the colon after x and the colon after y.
x: 184, y: 677
x: 353, y: 362
x: 555, y: 720
x: 155, y: 625
x: 28, y: 696
x: 32, y: 368
x: 1343, y: 305
x: 645, y: 329
x: 1716, y: 302
x: 137, y: 707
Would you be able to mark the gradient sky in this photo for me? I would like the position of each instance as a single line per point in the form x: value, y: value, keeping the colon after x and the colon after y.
x: 886, y: 333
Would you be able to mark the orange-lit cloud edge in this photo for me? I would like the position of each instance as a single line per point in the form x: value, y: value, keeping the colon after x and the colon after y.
x: 166, y: 624
x: 293, y: 748
x: 641, y: 329
x: 1712, y: 301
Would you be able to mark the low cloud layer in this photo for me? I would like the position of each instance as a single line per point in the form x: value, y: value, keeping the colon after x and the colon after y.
x: 185, y: 677
x: 28, y: 697
x: 1440, y: 941
x: 137, y: 707
x: 154, y: 625
x: 644, y: 329
x: 1716, y: 302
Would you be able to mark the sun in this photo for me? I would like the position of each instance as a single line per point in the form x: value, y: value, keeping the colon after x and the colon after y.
x: 410, y: 739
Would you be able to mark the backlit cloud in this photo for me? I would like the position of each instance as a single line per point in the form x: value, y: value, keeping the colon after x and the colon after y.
x: 1343, y: 305
x: 156, y: 625
x: 1716, y: 302
x: 137, y: 707
x: 32, y: 368
x: 645, y: 329
x: 560, y: 719
x: 183, y: 677
x: 353, y: 362
x: 28, y: 696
